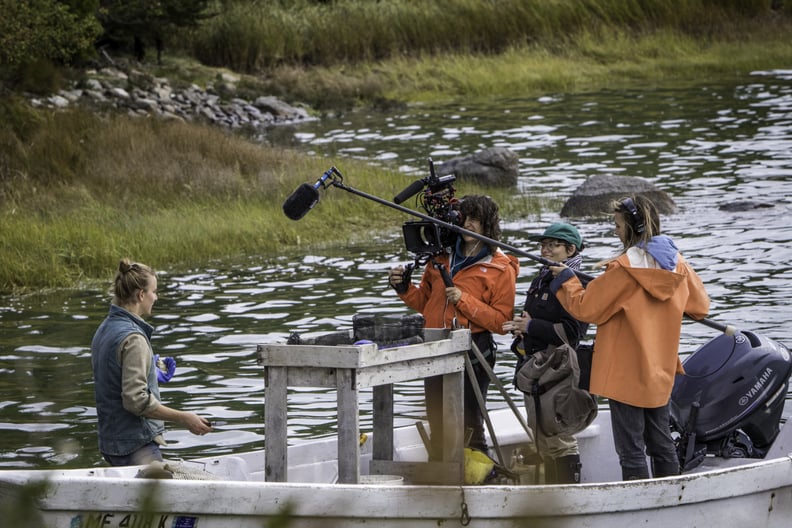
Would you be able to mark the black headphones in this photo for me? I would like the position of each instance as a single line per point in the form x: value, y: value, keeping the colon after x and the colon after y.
x: 636, y: 219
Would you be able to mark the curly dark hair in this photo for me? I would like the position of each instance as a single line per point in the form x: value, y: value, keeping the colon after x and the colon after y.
x: 485, y: 210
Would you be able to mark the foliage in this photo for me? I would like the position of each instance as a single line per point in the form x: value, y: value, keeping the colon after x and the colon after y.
x: 18, y: 505
x: 590, y: 61
x: 259, y: 36
x: 60, y: 32
x: 145, y: 21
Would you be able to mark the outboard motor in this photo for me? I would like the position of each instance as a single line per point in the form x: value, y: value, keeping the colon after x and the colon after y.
x: 730, y: 399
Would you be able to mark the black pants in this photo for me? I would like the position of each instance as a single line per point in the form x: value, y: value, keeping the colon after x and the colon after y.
x: 474, y: 417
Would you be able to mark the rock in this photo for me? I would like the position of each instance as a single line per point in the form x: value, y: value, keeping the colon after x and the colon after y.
x: 119, y: 93
x: 594, y: 196
x: 58, y: 101
x: 163, y: 93
x: 279, y: 109
x: 492, y: 167
x: 744, y: 205
x: 72, y: 95
x: 93, y: 84
x: 140, y: 94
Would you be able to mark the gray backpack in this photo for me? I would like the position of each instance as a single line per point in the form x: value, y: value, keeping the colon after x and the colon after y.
x: 551, y: 377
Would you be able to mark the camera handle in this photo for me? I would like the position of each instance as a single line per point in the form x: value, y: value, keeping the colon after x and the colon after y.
x: 444, y: 273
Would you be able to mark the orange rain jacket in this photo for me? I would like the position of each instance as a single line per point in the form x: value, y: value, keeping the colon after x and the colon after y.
x: 488, y: 294
x: 638, y: 313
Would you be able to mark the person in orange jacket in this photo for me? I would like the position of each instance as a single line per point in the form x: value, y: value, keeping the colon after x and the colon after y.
x: 637, y: 304
x: 481, y: 299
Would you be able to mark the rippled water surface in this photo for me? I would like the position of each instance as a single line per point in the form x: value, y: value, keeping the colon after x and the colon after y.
x: 708, y: 145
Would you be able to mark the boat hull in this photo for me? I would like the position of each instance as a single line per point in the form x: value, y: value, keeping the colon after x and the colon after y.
x: 759, y: 494
x: 732, y: 492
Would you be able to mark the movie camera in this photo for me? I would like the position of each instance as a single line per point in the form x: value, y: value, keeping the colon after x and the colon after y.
x: 436, y: 197
x: 426, y: 239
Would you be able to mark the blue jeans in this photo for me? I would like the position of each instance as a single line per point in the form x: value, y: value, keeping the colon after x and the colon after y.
x: 145, y: 455
x: 638, y: 432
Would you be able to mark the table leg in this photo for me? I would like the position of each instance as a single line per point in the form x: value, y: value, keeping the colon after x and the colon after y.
x: 383, y: 422
x: 453, y: 420
x: 275, y: 425
x: 348, y: 428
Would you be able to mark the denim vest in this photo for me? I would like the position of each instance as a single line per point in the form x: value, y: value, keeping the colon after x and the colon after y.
x: 120, y: 431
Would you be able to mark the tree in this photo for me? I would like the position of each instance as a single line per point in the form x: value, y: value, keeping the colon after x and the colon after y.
x: 58, y: 32
x: 149, y: 21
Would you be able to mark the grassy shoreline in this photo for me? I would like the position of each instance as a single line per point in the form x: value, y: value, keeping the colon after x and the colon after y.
x: 78, y: 191
x: 175, y: 196
x: 592, y: 63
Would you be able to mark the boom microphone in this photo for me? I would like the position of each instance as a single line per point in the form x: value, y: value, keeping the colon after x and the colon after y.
x: 410, y: 191
x: 301, y: 201
x: 305, y: 197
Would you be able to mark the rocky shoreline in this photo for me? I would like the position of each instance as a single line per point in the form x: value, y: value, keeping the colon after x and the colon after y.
x: 130, y: 90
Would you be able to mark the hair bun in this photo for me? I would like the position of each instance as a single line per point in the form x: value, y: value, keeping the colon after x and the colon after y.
x: 124, y: 266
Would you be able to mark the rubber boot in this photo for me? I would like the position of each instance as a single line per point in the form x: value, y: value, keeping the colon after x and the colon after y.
x: 568, y: 469
x: 664, y: 468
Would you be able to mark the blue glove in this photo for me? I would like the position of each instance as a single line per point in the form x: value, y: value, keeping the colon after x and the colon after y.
x: 165, y: 371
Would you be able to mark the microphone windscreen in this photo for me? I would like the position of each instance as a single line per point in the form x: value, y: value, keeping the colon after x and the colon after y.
x: 301, y: 201
x: 413, y: 188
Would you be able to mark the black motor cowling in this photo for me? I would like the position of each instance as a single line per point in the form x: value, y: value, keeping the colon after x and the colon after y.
x: 730, y: 399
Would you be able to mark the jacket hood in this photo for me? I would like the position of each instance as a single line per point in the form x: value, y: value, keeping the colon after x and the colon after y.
x: 658, y: 276
x: 663, y: 250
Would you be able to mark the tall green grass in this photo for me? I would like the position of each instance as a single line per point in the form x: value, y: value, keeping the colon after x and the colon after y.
x: 258, y: 36
x: 614, y: 60
x: 351, y: 52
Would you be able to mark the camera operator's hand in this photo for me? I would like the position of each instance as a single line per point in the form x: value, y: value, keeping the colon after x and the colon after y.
x: 395, y: 276
x: 399, y: 278
x: 453, y: 294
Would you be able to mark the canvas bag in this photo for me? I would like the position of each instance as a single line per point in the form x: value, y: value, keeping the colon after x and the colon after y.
x: 551, y: 377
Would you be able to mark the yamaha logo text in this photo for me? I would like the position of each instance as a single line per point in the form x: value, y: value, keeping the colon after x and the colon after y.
x: 757, y: 388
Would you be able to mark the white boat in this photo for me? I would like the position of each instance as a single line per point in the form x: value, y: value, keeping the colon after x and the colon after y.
x: 233, y: 491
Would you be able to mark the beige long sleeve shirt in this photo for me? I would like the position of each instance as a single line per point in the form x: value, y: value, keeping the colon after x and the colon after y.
x: 136, y: 358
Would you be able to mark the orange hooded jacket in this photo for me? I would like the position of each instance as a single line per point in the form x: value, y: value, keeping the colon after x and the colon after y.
x: 488, y: 294
x: 638, y: 313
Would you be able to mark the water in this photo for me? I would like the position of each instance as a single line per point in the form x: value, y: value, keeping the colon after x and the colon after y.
x: 707, y: 144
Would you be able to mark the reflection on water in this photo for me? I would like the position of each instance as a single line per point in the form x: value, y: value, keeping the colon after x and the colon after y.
x: 708, y: 145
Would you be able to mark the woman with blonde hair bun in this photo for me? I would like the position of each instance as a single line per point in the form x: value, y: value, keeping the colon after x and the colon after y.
x: 126, y: 378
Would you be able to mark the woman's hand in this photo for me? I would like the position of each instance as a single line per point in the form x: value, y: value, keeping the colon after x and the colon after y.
x: 453, y: 294
x: 395, y: 275
x: 555, y: 270
x: 196, y: 424
x: 519, y: 325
